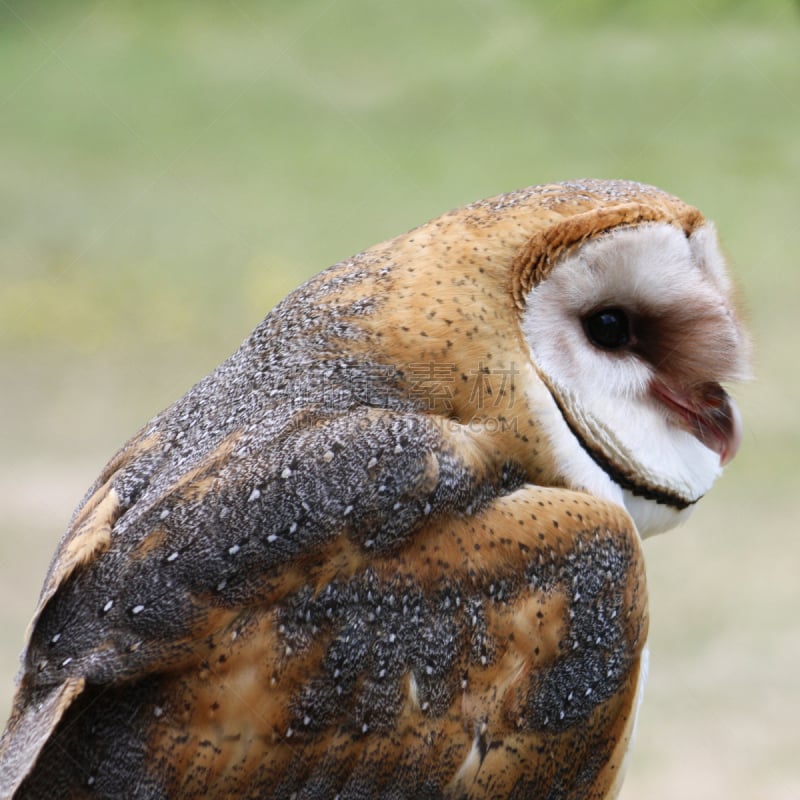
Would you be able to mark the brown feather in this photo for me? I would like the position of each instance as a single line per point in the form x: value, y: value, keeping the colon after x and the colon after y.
x: 344, y: 563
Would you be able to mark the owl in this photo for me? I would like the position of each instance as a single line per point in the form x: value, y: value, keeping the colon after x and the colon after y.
x: 391, y: 548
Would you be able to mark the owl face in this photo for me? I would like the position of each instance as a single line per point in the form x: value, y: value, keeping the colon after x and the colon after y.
x: 632, y: 335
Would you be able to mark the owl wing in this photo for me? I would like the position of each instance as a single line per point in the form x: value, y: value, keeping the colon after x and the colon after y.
x: 371, y: 604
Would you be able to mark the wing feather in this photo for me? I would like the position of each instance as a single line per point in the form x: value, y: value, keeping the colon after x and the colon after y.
x: 149, y: 586
x: 367, y: 614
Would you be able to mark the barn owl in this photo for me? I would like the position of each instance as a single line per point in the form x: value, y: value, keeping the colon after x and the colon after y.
x: 391, y: 548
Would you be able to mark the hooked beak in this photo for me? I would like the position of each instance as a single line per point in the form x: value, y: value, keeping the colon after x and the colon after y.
x: 707, y: 412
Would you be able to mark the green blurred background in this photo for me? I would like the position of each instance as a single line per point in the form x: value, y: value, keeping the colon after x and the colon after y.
x: 169, y: 170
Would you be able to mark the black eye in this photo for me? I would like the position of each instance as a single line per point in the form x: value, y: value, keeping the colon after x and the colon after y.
x: 608, y: 328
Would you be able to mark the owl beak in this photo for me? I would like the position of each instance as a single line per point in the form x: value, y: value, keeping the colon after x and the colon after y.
x: 708, y: 413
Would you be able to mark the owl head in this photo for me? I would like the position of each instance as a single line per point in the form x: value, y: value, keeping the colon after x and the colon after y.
x: 610, y: 304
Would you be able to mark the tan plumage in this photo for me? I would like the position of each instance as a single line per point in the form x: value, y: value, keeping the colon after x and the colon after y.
x: 383, y: 550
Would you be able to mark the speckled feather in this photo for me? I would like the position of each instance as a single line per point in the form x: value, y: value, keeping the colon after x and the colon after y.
x: 314, y: 576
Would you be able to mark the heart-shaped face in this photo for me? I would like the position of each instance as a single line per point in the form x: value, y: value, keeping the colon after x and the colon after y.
x: 634, y: 332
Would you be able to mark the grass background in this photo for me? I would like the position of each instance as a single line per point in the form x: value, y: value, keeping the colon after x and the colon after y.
x: 169, y: 170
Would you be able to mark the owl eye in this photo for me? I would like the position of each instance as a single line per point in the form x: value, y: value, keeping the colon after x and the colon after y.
x: 608, y: 328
